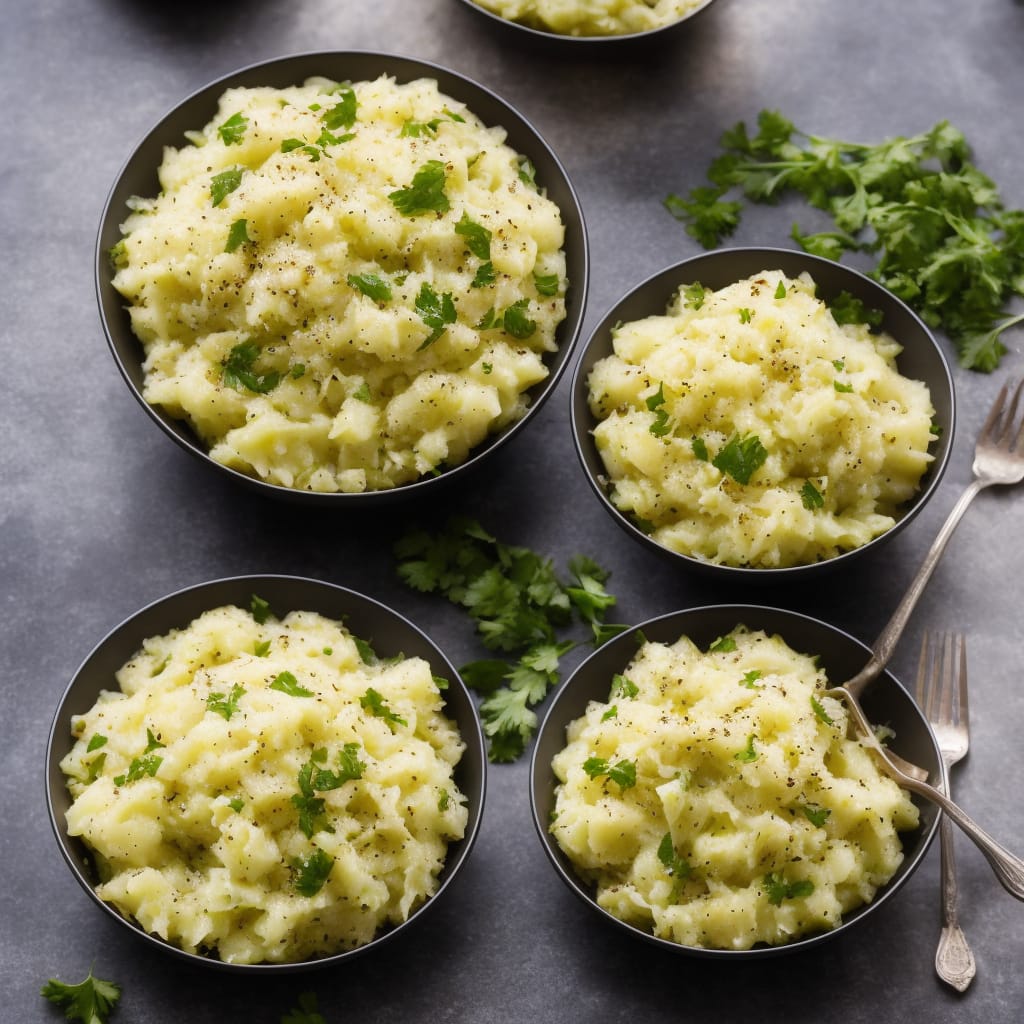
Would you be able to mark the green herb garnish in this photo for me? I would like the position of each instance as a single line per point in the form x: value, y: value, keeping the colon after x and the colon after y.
x: 741, y: 457
x: 285, y: 682
x: 436, y: 311
x: 811, y: 497
x: 778, y: 889
x: 622, y: 773
x: 238, y: 234
x: 239, y: 370
x: 90, y: 1001
x: 425, y: 194
x: 223, y: 704
x: 232, y: 131
x: 373, y: 702
x: 373, y: 286
x: 311, y: 873
x: 223, y: 184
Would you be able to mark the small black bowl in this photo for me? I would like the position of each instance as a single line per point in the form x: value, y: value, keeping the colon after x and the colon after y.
x: 921, y: 359
x: 390, y: 634
x: 630, y: 41
x: 885, y: 702
x: 138, y: 177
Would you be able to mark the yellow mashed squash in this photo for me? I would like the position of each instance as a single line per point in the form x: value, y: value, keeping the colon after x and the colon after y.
x: 747, y: 427
x: 266, y: 792
x: 715, y: 800
x: 592, y: 17
x: 343, y: 287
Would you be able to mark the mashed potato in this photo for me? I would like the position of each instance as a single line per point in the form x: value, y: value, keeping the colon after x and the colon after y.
x: 715, y: 800
x: 592, y: 17
x: 747, y: 427
x: 343, y: 287
x: 266, y: 792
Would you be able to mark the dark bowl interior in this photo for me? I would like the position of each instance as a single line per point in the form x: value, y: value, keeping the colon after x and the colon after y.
x: 389, y: 633
x: 885, y: 702
x: 921, y: 359
x: 556, y: 41
x: 138, y: 177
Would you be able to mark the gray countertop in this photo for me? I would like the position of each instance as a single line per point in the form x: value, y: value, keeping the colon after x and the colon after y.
x: 101, y: 513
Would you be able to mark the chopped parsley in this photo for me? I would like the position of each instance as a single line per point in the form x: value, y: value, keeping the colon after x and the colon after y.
x: 425, y: 194
x: 622, y: 773
x: 748, y: 753
x: 741, y: 457
x: 780, y: 290
x: 693, y: 296
x: 223, y: 184
x: 778, y: 889
x: 436, y: 311
x: 723, y: 644
x: 516, y: 321
x: 363, y: 393
x: 811, y: 497
x: 819, y: 711
x: 285, y: 682
x: 312, y: 873
x: 223, y: 704
x: 547, y: 285
x: 259, y: 609
x: 373, y: 702
x: 91, y: 1001
x: 478, y: 238
x: 623, y: 687
x: 750, y: 679
x: 239, y: 370
x: 746, y: 315
x: 677, y: 867
x: 816, y: 815
x: 373, y: 286
x: 232, y: 131
x: 700, y: 449
x: 343, y: 113
x: 846, y: 389
x: 146, y: 765
x: 656, y: 403
x: 238, y: 235
x: 527, y: 172
x: 848, y: 309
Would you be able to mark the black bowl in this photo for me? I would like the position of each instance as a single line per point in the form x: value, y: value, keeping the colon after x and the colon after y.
x: 885, y: 702
x: 390, y: 635
x: 921, y: 359
x: 627, y: 40
x: 138, y: 177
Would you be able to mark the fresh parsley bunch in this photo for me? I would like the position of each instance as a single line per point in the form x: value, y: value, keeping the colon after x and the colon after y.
x: 520, y: 608
x: 941, y: 237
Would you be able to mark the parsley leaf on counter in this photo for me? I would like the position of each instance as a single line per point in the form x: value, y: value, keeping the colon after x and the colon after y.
x: 90, y: 1001
x: 518, y: 605
x: 307, y: 1012
x: 939, y: 233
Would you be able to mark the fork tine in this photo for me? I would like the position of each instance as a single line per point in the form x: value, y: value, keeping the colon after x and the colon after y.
x: 965, y: 716
x: 923, y: 691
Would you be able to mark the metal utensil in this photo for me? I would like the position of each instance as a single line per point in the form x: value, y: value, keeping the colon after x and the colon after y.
x: 1009, y: 868
x: 942, y: 695
x: 998, y: 459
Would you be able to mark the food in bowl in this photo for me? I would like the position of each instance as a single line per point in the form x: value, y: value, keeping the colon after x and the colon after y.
x: 714, y: 799
x: 266, y: 791
x: 343, y: 287
x: 592, y: 17
x: 755, y: 426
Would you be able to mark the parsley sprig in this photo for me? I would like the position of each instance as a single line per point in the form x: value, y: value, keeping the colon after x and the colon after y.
x: 941, y: 237
x: 520, y: 608
x: 90, y: 1001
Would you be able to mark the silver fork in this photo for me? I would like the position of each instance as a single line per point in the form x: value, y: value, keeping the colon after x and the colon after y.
x: 998, y: 459
x: 942, y: 696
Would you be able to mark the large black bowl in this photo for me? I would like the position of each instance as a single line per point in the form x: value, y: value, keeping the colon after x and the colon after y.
x: 390, y: 635
x: 138, y: 177
x: 885, y: 702
x: 921, y: 359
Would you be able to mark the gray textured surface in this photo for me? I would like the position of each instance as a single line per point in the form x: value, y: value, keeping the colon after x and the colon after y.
x: 100, y: 513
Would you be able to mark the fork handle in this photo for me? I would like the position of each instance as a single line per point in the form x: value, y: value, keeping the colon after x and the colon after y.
x: 1008, y: 868
x: 885, y: 645
x: 954, y: 961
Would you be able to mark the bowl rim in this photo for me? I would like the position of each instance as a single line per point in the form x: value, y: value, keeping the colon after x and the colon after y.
x: 541, y: 777
x: 548, y: 36
x: 670, y: 277
x: 473, y: 761
x: 554, y: 178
